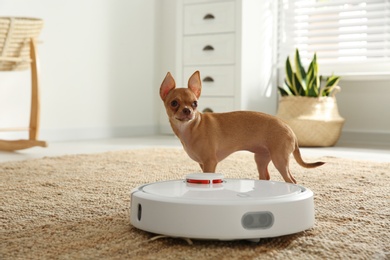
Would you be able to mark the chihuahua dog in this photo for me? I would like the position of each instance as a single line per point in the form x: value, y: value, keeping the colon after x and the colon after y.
x: 210, y: 137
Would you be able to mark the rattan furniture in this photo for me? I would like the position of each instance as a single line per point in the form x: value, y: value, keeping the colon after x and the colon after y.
x: 18, y: 37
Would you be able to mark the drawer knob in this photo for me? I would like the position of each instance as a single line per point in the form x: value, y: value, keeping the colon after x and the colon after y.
x: 207, y: 110
x: 208, y: 79
x: 208, y: 48
x: 209, y: 17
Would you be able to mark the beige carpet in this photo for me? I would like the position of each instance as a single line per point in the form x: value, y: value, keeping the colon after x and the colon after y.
x: 76, y: 207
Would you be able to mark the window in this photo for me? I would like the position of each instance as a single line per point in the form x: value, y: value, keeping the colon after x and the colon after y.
x: 349, y: 36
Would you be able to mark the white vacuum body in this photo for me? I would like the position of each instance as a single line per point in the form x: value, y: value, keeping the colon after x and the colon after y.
x: 207, y: 206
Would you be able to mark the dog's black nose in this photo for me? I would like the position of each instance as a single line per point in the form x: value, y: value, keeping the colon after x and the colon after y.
x: 186, y: 111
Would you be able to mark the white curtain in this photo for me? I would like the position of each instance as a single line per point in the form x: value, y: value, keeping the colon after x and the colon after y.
x: 349, y: 36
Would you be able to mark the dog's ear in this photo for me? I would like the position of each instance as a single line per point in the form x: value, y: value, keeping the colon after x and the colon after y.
x: 167, y: 85
x: 195, y: 84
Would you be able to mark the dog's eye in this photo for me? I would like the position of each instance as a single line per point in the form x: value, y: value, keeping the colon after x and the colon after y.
x: 195, y: 104
x: 174, y: 103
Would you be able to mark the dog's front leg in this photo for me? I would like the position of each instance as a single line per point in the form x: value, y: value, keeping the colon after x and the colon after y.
x: 209, y: 166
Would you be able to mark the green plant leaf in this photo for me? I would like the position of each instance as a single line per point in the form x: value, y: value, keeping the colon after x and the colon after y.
x: 283, y: 92
x: 300, y: 70
x: 310, y: 79
x: 313, y: 92
x: 315, y: 66
x: 290, y: 78
x: 289, y: 88
x: 289, y: 74
x: 298, y: 86
x: 310, y: 71
x: 331, y: 83
x: 306, y: 83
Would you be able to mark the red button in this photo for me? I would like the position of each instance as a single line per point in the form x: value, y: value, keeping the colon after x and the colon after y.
x: 204, y: 181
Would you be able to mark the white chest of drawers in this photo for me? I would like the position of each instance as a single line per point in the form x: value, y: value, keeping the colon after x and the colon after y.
x: 229, y: 43
x: 209, y: 45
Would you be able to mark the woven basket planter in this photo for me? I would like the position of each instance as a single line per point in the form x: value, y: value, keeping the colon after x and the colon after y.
x: 15, y: 35
x: 315, y: 121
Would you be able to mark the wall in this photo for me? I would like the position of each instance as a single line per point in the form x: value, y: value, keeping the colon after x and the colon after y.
x: 365, y: 106
x: 97, y: 61
x: 102, y: 62
x: 168, y: 55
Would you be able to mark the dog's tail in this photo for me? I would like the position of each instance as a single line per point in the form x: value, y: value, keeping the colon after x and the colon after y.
x: 298, y: 158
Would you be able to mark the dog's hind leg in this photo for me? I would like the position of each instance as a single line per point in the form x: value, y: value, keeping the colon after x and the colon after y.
x: 281, y: 164
x: 262, y: 160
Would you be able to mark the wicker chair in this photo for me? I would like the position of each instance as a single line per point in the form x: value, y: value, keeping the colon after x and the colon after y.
x: 18, y: 52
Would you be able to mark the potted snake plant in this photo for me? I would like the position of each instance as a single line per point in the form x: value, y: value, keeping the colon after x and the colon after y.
x: 308, y: 104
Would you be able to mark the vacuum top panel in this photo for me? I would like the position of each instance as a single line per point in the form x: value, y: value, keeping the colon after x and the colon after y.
x: 214, y: 187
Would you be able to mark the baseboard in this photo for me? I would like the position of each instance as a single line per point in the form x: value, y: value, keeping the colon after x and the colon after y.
x: 365, y: 138
x: 74, y: 134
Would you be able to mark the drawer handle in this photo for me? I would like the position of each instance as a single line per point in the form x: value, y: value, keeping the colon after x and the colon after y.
x: 207, y: 110
x: 208, y: 48
x: 208, y: 17
x: 208, y: 79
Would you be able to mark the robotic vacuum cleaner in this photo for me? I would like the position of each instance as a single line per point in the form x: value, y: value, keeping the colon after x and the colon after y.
x: 207, y: 206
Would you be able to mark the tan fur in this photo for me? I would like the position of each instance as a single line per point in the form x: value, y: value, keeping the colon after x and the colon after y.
x: 211, y: 137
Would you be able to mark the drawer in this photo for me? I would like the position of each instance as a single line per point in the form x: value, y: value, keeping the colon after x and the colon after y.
x: 209, y: 49
x: 216, y: 80
x: 217, y: 105
x: 209, y: 18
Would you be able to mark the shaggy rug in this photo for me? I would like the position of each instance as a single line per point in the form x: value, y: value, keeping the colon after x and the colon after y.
x: 77, y: 207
